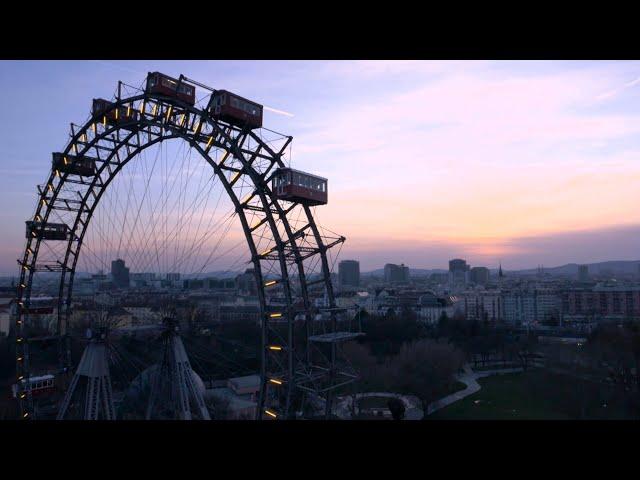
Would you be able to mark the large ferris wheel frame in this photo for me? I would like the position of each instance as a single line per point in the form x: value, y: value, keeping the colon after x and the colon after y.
x: 112, y: 144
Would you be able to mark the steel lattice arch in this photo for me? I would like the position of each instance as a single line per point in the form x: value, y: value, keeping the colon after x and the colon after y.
x: 290, y: 362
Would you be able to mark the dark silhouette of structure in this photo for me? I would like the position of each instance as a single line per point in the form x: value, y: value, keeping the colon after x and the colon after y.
x: 479, y: 275
x: 349, y: 273
x: 396, y: 273
x: 120, y: 274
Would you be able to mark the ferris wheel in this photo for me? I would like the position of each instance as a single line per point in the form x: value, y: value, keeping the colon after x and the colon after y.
x: 172, y: 187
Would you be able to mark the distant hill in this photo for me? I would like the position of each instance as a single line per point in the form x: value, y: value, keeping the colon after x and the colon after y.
x: 571, y: 269
x: 612, y: 266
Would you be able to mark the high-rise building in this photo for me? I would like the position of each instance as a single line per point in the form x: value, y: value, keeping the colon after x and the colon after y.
x: 119, y: 274
x: 583, y: 273
x: 458, y: 269
x: 457, y: 264
x: 405, y: 273
x: 349, y: 273
x: 479, y: 275
x: 396, y: 273
x: 390, y: 272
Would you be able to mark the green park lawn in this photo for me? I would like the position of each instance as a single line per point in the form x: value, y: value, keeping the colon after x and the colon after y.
x: 536, y: 395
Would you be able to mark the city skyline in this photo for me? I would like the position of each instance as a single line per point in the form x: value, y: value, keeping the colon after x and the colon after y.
x: 379, y: 270
x: 525, y: 163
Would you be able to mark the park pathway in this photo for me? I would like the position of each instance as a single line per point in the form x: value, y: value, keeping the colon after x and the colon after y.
x: 470, y: 379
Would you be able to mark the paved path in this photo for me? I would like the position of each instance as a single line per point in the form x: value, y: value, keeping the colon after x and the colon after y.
x: 469, y: 378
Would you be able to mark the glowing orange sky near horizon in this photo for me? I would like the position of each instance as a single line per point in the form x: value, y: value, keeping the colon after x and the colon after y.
x: 482, y: 216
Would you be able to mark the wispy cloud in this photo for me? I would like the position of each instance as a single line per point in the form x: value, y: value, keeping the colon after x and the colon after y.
x: 275, y: 110
x: 616, y: 91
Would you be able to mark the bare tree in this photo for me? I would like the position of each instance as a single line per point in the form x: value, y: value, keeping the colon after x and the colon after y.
x: 424, y: 368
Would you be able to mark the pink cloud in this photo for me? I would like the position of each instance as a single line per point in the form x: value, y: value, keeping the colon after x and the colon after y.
x: 473, y: 153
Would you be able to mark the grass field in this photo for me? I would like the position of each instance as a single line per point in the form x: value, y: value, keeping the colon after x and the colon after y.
x: 537, y: 395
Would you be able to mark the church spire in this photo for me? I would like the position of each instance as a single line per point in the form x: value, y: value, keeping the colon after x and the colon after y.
x: 500, y: 274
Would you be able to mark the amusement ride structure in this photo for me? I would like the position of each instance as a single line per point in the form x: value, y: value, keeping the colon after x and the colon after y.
x: 272, y: 205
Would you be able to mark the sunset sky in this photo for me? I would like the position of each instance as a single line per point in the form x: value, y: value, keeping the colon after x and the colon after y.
x: 516, y: 161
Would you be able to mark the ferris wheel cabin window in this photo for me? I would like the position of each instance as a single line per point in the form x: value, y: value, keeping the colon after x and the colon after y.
x: 168, y: 83
x: 250, y: 109
x: 285, y: 178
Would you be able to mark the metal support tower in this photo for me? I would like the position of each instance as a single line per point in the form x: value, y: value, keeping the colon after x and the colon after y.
x: 173, y: 389
x: 327, y: 368
x: 94, y: 367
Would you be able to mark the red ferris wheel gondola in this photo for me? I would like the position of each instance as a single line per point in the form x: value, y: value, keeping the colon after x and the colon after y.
x: 296, y: 186
x: 165, y: 85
